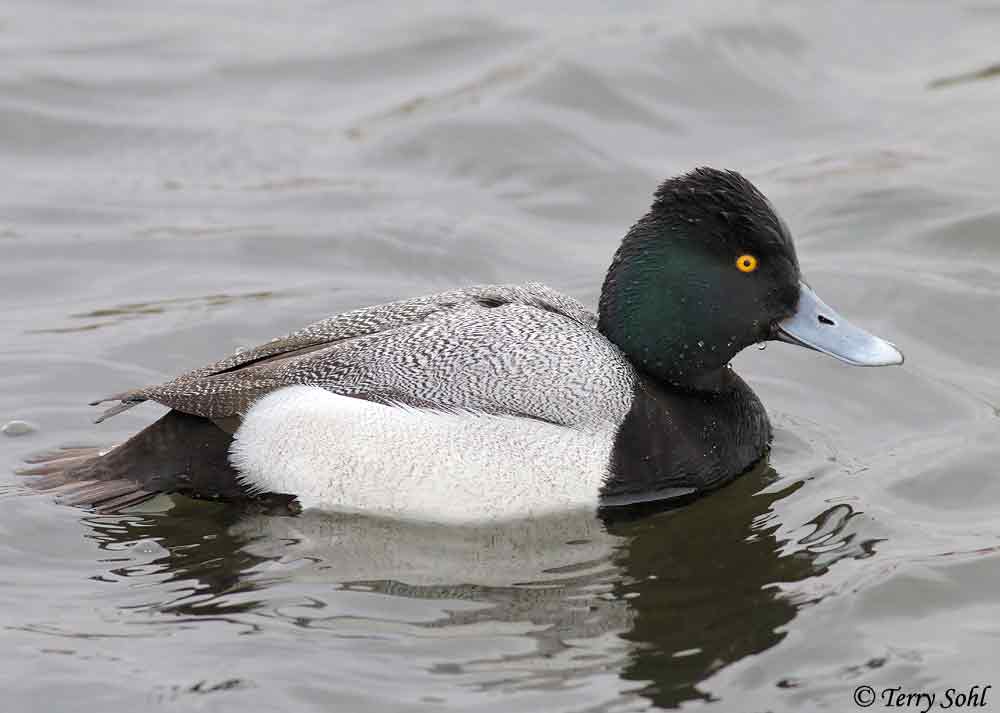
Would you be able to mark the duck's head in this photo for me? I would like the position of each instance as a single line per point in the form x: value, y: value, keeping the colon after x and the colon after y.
x: 709, y: 270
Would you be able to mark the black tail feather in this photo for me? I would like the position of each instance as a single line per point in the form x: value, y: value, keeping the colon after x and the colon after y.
x: 57, y: 463
x: 60, y: 453
x: 178, y: 453
x: 59, y: 477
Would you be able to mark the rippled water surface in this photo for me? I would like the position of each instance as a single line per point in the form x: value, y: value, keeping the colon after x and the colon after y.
x: 184, y: 179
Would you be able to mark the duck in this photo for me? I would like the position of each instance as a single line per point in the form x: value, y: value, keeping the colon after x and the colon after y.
x: 498, y: 402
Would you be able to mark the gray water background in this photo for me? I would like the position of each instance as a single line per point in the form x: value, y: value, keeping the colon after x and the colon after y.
x: 182, y: 179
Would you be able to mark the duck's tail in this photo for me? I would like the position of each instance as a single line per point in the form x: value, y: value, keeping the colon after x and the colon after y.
x: 178, y: 453
x: 68, y: 473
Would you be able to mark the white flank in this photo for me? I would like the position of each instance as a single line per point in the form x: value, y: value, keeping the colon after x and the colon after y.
x: 339, y: 453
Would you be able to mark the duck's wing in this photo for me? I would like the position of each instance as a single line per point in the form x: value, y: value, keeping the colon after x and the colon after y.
x: 421, y: 352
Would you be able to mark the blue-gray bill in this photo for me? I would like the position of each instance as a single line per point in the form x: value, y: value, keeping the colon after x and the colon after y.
x: 817, y: 326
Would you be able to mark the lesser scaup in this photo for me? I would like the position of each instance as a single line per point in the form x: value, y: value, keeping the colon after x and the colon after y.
x: 500, y: 401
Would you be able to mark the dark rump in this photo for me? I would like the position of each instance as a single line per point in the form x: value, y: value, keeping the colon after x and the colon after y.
x: 179, y: 453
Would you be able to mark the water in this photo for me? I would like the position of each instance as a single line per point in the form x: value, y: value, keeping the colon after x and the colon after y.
x: 182, y: 180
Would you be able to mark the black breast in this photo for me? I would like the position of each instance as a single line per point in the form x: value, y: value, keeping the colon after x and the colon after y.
x: 680, y: 440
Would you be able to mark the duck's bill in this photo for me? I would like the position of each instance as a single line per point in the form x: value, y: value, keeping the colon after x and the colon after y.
x: 816, y: 325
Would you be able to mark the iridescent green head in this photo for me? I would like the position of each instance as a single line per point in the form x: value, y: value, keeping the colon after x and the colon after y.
x: 708, y: 271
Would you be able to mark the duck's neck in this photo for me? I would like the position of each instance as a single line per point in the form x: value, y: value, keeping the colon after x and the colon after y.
x: 654, y: 308
x: 672, y: 441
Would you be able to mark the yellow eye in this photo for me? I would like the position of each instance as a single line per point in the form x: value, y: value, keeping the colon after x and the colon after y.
x: 746, y: 263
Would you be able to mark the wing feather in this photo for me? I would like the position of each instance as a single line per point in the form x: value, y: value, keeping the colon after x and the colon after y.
x: 342, y: 353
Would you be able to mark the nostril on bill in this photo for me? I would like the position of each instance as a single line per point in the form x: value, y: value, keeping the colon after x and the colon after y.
x: 823, y: 319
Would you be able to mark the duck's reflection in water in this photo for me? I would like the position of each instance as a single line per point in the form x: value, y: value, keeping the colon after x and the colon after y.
x: 706, y: 577
x: 657, y: 603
